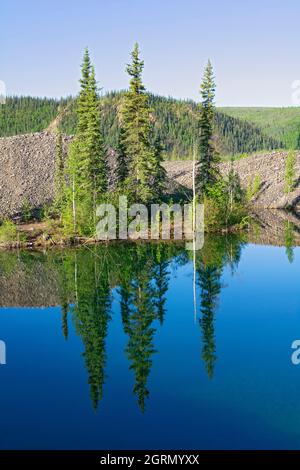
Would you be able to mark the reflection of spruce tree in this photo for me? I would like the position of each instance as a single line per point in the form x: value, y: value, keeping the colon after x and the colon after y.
x: 60, y: 263
x: 233, y: 251
x: 161, y: 279
x: 209, y: 280
x: 91, y: 316
x: 64, y: 311
x: 125, y: 299
x: 289, y: 240
x: 141, y: 334
x: 138, y: 314
x: 217, y: 252
x: 143, y: 284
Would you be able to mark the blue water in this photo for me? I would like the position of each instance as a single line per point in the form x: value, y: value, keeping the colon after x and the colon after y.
x: 242, y: 392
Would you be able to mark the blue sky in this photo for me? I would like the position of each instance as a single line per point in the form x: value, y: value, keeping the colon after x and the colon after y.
x: 254, y: 46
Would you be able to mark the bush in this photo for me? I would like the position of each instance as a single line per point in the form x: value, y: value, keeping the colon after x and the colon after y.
x: 27, y: 211
x: 253, y: 187
x: 8, y: 232
x: 224, y: 204
x: 290, y: 175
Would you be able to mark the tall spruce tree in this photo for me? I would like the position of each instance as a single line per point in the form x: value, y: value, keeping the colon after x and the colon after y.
x: 86, y: 166
x: 122, y: 163
x: 207, y: 170
x: 81, y: 106
x: 143, y: 159
x: 59, y: 177
x: 94, y: 146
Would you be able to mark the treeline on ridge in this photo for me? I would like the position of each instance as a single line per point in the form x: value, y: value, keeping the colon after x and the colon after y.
x: 175, y: 123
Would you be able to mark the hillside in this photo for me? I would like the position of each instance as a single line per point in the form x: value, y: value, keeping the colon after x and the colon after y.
x: 277, y: 123
x: 174, y: 122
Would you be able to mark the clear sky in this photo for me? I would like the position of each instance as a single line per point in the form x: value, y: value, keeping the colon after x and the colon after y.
x: 254, y: 46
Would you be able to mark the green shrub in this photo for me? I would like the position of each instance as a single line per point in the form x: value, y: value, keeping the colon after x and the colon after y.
x: 253, y: 187
x: 8, y: 232
x: 290, y: 175
x: 224, y: 205
x: 27, y: 211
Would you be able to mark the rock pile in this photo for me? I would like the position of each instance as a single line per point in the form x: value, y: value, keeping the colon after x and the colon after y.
x: 28, y: 165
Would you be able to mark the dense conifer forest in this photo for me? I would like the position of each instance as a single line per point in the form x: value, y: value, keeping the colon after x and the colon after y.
x: 175, y: 123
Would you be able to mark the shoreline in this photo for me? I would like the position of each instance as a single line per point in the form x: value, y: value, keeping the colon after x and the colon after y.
x: 39, y: 239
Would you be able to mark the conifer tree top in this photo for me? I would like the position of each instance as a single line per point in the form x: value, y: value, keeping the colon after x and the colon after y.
x: 85, y: 67
x: 135, y: 70
x: 208, y: 86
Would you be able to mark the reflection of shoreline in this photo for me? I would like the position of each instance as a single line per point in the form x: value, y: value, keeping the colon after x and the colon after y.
x: 270, y: 227
x: 32, y: 279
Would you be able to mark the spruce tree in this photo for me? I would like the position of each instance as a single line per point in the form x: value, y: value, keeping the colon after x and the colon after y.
x: 143, y: 158
x: 207, y: 171
x: 81, y: 105
x: 122, y: 163
x: 86, y: 166
x: 59, y: 177
x: 94, y: 146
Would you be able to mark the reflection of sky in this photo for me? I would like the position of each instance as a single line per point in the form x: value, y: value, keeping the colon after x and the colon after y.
x: 253, y: 46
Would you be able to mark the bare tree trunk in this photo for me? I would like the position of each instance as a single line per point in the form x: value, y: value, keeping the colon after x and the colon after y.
x: 194, y: 241
x: 74, y: 205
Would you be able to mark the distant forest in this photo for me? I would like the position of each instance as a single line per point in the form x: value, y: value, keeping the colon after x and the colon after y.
x: 174, y: 123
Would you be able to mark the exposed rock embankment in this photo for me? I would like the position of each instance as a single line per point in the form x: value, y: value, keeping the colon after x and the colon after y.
x: 27, y: 170
x: 28, y: 165
x: 270, y: 167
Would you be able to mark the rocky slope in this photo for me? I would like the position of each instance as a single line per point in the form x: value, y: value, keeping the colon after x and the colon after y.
x: 28, y: 162
x: 269, y: 166
x: 27, y: 170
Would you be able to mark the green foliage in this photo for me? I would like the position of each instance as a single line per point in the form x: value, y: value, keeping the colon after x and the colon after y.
x: 290, y: 174
x: 24, y: 114
x: 86, y: 167
x: 142, y: 162
x: 224, y: 204
x: 174, y: 123
x: 253, y: 187
x: 27, y: 211
x: 207, y: 170
x: 280, y: 124
x: 8, y: 232
x: 234, y: 189
x: 59, y: 177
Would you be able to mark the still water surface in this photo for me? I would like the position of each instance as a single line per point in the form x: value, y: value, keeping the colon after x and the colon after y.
x: 104, y: 351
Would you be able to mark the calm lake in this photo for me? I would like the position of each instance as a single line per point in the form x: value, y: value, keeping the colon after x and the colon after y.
x: 107, y: 348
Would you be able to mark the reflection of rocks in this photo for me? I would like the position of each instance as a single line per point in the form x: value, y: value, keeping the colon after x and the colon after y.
x: 273, y: 226
x: 31, y: 283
